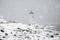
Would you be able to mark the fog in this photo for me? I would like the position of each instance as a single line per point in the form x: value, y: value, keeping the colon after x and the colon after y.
x: 45, y: 11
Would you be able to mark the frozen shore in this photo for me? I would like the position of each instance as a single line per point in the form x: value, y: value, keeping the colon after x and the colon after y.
x: 19, y: 31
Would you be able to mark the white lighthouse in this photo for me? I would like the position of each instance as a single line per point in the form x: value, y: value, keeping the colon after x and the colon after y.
x: 31, y: 17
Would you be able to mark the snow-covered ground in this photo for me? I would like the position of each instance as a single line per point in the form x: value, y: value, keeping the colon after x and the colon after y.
x: 19, y: 31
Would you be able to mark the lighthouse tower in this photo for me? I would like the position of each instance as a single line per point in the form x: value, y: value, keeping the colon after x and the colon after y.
x: 31, y: 17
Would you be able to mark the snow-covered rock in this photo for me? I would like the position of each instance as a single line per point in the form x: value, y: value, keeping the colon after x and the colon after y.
x: 19, y: 31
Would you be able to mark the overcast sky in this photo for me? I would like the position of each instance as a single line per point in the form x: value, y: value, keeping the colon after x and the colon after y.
x: 45, y: 11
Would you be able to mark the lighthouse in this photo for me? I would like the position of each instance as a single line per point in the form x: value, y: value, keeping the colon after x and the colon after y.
x: 31, y: 17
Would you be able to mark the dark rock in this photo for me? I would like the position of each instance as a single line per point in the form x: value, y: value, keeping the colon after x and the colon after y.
x: 6, y: 34
x: 3, y: 37
x: 52, y: 36
x: 2, y: 30
x: 14, y: 34
x: 56, y: 34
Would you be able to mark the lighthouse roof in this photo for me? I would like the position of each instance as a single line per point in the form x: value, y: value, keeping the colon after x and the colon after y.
x: 31, y: 12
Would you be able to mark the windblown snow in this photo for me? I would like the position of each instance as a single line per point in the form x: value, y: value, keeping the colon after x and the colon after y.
x: 19, y: 31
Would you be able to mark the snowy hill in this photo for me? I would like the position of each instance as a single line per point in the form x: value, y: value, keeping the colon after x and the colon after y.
x: 19, y: 31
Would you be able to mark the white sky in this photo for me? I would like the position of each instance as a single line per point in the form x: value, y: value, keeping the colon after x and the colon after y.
x: 18, y: 10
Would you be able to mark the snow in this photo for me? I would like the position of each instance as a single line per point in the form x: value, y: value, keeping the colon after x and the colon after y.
x: 20, y: 31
